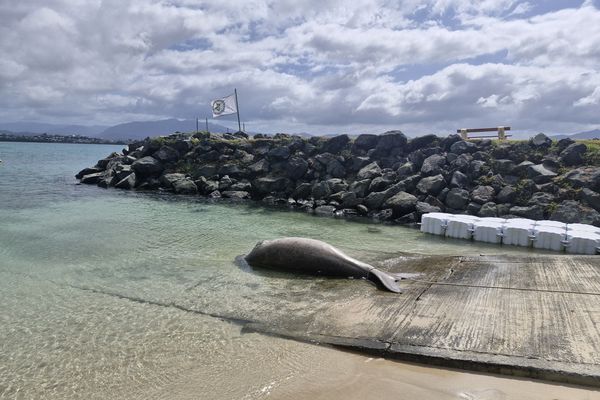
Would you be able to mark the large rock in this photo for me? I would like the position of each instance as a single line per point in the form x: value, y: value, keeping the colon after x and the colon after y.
x: 507, y: 194
x: 185, y: 186
x: 540, y: 198
x: 321, y: 190
x: 488, y: 210
x: 531, y: 212
x: 360, y: 187
x: 270, y: 184
x: 336, y: 169
x: 463, y: 146
x: 401, y: 203
x: 206, y: 186
x: 588, y: 177
x: 540, y: 174
x: 459, y: 180
x: 92, y: 178
x: 336, y: 144
x: 88, y: 171
x: 166, y: 154
x: 431, y: 184
x: 279, y: 153
x: 129, y: 182
x: 167, y: 180
x: 421, y: 142
x: 392, y: 139
x: 540, y: 140
x: 573, y: 154
x: 592, y: 198
x: 483, y: 194
x: 424, y: 208
x: 570, y: 211
x: 365, y: 142
x: 147, y: 166
x: 433, y: 165
x: 369, y: 171
x: 457, y: 199
x: 504, y: 166
x: 296, y: 167
x: 235, y: 194
x: 260, y: 167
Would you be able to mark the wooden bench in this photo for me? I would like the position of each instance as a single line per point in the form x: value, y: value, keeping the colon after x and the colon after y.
x: 501, y: 135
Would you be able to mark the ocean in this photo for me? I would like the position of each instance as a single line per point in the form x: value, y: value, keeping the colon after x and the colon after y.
x: 107, y: 293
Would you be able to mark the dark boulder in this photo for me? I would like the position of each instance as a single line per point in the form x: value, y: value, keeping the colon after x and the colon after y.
x: 302, y: 191
x: 507, y: 194
x: 92, y: 178
x: 570, y: 211
x: 457, y: 199
x: 433, y: 165
x: 564, y: 143
x: 236, y: 194
x: 365, y: 142
x: 128, y: 182
x: 336, y: 169
x: 532, y: 212
x: 166, y: 154
x: 483, y: 194
x: 336, y: 144
x: 279, y: 153
x: 206, y: 186
x: 540, y: 174
x: 540, y: 140
x: 401, y: 203
x: 588, y: 177
x: 325, y: 210
x: 462, y: 147
x: 488, y: 210
x: 260, y: 167
x: 185, y: 186
x: 270, y: 184
x: 369, y: 171
x: 431, y: 184
x: 88, y: 171
x: 296, y: 167
x: 459, y: 180
x: 592, y: 198
x: 321, y: 190
x: 541, y: 199
x: 422, y: 142
x: 573, y: 154
x: 361, y: 188
x: 167, y: 180
x: 504, y: 166
x: 147, y: 166
x: 424, y: 208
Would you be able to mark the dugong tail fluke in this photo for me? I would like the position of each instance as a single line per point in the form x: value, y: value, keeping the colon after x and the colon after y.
x: 316, y: 257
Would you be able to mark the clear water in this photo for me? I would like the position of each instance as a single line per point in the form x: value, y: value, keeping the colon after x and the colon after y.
x: 121, y: 294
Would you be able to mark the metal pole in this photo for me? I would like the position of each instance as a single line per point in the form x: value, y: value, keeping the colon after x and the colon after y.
x: 196, y: 124
x: 237, y: 107
x: 206, y: 120
x: 244, y: 126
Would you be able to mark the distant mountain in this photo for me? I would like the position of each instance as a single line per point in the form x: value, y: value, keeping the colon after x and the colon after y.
x: 34, y: 128
x: 143, y: 129
x: 593, y: 134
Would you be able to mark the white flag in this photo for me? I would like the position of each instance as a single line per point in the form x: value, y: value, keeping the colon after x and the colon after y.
x: 224, y: 106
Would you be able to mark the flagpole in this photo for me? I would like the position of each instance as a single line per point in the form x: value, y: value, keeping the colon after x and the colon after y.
x: 206, y: 120
x: 237, y: 107
x: 196, y: 124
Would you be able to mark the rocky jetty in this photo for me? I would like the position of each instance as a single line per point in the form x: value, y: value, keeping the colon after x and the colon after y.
x: 386, y: 177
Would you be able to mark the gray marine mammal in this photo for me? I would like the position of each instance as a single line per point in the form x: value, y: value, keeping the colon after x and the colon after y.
x: 316, y: 257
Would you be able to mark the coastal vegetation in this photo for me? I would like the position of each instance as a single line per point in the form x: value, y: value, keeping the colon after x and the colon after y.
x: 384, y: 177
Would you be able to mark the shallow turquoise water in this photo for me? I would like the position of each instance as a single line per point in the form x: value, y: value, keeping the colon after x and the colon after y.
x: 110, y: 291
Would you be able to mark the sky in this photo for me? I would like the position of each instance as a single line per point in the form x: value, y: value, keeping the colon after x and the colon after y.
x: 317, y: 66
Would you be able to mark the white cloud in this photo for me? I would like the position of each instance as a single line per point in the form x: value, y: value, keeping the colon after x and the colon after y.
x: 302, y: 64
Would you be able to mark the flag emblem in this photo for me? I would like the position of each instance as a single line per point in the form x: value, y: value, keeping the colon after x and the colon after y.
x: 224, y: 106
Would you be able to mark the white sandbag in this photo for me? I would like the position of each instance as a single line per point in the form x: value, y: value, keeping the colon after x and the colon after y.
x: 487, y: 231
x: 460, y: 228
x: 433, y: 223
x: 518, y: 233
x: 549, y: 237
x: 582, y: 242
x: 583, y: 227
x: 552, y: 224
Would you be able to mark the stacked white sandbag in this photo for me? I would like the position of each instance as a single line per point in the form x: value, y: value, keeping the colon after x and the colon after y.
x: 549, y: 235
x: 583, y: 239
x: 461, y: 226
x: 488, y: 230
x: 435, y: 223
x: 518, y: 232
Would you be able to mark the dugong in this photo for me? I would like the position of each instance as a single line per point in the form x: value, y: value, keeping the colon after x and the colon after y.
x: 315, y: 257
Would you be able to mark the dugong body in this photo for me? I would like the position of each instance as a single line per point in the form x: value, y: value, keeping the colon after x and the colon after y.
x: 315, y: 257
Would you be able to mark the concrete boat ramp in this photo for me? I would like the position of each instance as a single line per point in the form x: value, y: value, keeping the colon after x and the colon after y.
x: 530, y: 316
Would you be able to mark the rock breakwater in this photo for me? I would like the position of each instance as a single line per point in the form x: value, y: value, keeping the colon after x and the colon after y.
x: 386, y: 177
